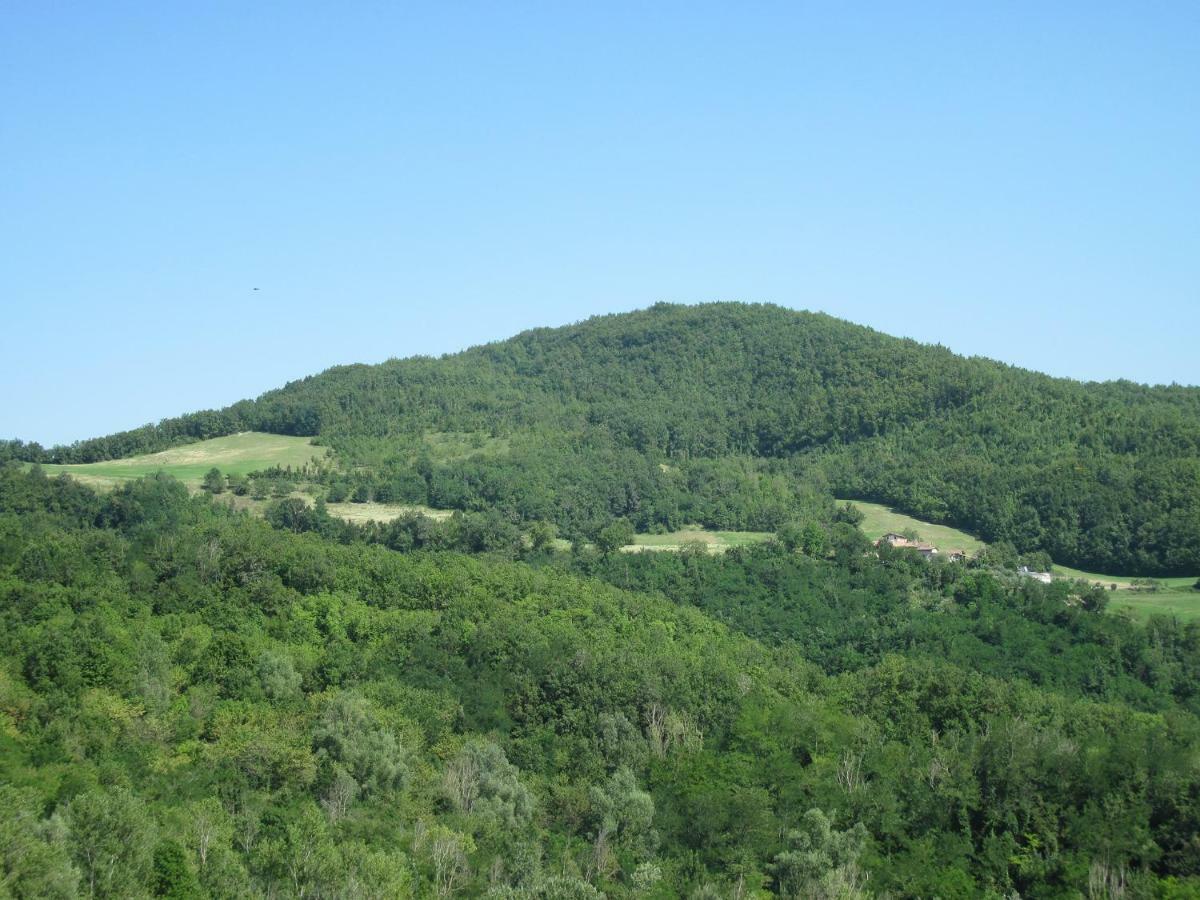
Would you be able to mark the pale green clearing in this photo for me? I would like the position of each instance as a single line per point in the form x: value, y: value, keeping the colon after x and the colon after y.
x: 713, y: 541
x: 236, y: 454
x: 1171, y: 596
x: 359, y: 513
x: 246, y: 503
x: 880, y: 520
x: 447, y: 446
x: 1176, y: 599
x: 1121, y: 581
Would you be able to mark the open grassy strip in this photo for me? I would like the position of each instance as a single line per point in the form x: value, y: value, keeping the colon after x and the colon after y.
x: 1123, y: 582
x: 714, y: 541
x: 880, y: 520
x: 236, y: 454
x: 1170, y: 596
x: 1181, y: 602
x: 359, y: 513
x: 447, y: 446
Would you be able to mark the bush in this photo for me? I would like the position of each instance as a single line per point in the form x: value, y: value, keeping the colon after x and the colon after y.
x: 614, y: 536
x: 214, y: 481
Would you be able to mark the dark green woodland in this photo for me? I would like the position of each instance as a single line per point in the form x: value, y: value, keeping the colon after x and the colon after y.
x: 200, y: 702
x: 732, y: 416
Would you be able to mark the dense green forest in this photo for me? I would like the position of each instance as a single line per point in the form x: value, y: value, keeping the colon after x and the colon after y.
x: 199, y: 702
x: 744, y: 417
x: 195, y: 703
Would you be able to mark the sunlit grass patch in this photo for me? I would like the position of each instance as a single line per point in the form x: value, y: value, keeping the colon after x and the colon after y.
x: 235, y: 454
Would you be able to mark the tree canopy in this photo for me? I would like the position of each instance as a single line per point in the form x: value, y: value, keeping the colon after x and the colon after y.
x: 734, y: 416
x: 196, y: 702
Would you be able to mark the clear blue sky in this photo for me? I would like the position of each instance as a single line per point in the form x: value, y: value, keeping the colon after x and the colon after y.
x: 1015, y: 180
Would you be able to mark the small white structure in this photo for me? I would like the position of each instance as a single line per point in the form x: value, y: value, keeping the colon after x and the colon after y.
x: 1043, y: 577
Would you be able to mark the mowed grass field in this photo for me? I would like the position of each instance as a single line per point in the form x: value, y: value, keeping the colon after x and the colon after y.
x: 1175, y: 598
x: 713, y: 541
x: 236, y: 454
x: 880, y: 520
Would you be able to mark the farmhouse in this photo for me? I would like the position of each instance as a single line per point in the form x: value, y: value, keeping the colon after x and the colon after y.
x: 901, y: 542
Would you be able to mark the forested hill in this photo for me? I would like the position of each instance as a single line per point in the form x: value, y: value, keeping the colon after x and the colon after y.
x: 196, y: 704
x: 715, y: 412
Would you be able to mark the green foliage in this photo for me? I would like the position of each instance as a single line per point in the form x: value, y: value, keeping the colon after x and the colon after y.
x: 214, y: 481
x: 614, y: 536
x: 111, y: 835
x: 34, y: 857
x: 480, y: 781
x: 790, y: 536
x: 623, y: 811
x: 809, y: 538
x: 173, y: 876
x: 292, y: 514
x: 278, y: 676
x: 350, y: 737
x: 543, y: 534
x: 741, y: 417
x: 194, y: 702
x: 820, y: 862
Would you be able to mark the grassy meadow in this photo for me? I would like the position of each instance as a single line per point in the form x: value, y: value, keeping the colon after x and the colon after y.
x: 1176, y: 598
x: 236, y: 454
x: 1171, y: 597
x: 713, y: 541
x: 880, y: 520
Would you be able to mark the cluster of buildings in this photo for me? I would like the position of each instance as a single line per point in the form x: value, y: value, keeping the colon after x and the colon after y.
x: 928, y: 551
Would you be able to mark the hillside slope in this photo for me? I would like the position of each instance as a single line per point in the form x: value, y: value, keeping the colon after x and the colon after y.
x: 736, y: 416
x: 194, y: 703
